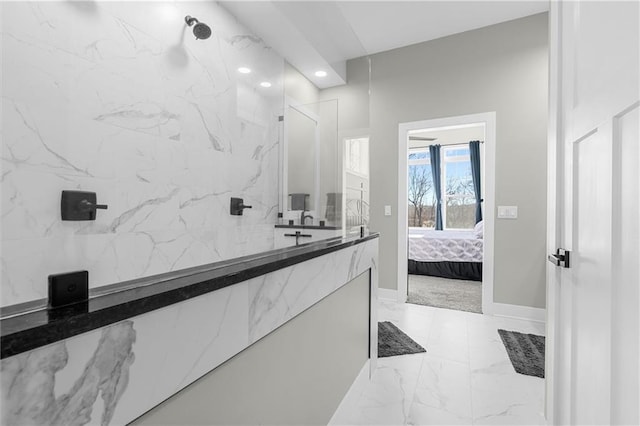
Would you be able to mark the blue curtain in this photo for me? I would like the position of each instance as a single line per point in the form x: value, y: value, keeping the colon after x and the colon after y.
x: 474, y: 151
x: 434, y: 158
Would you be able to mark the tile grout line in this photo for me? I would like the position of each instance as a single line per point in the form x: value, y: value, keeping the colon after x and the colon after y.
x: 473, y: 417
x: 407, y: 418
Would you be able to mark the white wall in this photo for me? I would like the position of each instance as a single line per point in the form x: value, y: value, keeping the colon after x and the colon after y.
x: 119, y: 98
x: 298, y: 88
x: 501, y: 68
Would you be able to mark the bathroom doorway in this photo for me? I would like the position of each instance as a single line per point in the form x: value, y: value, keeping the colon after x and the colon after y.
x: 445, y: 250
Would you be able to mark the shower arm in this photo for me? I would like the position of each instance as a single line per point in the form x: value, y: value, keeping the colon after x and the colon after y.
x: 190, y: 20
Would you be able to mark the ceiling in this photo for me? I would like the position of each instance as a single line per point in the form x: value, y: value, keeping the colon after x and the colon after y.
x: 323, y: 35
x: 446, y: 136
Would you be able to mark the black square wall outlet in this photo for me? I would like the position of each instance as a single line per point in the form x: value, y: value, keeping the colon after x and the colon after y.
x: 68, y: 288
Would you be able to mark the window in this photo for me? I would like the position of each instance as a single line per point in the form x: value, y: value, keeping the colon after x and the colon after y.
x: 458, y: 198
x: 459, y: 202
x: 422, y: 197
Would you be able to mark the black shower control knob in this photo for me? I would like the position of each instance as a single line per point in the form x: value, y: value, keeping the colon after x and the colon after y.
x: 237, y: 205
x: 88, y: 205
x: 79, y: 205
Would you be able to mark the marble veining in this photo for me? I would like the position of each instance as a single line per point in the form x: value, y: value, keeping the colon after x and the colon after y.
x: 275, y: 301
x: 137, y: 363
x: 40, y: 327
x: 28, y: 381
x: 127, y: 104
x: 464, y: 378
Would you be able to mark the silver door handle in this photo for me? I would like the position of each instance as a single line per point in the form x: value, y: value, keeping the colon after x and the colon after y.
x: 560, y: 258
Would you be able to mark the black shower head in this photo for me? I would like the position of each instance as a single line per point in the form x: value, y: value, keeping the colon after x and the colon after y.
x: 200, y: 29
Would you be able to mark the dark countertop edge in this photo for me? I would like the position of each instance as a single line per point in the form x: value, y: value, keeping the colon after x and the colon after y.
x: 328, y: 228
x: 31, y: 330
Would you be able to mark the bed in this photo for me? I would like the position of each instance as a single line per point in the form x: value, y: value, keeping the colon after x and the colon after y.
x: 446, y: 254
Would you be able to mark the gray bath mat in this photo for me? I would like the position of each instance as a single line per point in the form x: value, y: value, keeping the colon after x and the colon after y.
x: 392, y: 341
x: 526, y: 352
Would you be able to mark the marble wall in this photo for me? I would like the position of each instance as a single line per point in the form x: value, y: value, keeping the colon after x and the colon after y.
x: 119, y: 98
x: 115, y: 374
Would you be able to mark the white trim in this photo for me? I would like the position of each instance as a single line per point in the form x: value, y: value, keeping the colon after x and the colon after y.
x: 519, y: 312
x: 489, y: 121
x: 344, y: 136
x: 553, y: 212
x: 387, y: 293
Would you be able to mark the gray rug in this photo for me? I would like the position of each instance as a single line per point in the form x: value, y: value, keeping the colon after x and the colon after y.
x: 526, y: 352
x: 445, y: 293
x: 392, y: 341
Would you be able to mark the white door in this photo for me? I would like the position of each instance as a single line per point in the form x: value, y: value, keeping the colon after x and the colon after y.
x: 593, y: 323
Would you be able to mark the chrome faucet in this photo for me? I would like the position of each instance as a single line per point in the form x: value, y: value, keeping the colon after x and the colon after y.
x: 304, y: 216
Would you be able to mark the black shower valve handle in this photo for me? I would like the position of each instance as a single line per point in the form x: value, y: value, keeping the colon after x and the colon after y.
x: 87, y: 205
x: 237, y: 206
x: 79, y: 205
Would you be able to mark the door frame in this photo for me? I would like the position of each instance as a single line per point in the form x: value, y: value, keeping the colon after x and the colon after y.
x: 489, y: 121
x: 554, y: 216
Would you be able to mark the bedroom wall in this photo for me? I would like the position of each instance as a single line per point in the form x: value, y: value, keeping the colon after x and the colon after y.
x: 501, y: 68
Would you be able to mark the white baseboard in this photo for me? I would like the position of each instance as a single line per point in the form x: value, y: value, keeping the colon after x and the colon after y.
x: 516, y: 311
x: 387, y: 293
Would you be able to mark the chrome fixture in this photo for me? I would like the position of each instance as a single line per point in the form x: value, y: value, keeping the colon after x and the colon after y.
x: 298, y: 235
x: 304, y: 216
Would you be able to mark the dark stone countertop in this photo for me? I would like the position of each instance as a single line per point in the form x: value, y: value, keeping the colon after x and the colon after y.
x: 329, y: 228
x: 110, y: 304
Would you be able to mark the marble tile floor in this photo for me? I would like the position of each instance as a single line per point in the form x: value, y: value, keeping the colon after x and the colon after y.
x: 465, y: 377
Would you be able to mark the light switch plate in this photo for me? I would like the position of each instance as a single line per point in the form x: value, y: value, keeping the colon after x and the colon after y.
x: 387, y: 210
x: 507, y: 212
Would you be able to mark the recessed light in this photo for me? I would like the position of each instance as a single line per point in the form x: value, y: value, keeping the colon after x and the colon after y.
x: 321, y: 73
x: 244, y: 70
x: 265, y: 84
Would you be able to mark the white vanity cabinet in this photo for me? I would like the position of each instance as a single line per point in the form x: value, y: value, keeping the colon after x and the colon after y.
x: 285, y: 236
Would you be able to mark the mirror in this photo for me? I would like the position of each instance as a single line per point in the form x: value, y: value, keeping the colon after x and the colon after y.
x: 301, y: 143
x: 312, y: 174
x: 317, y: 125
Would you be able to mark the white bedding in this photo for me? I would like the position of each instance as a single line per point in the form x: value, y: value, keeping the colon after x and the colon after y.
x: 428, y: 245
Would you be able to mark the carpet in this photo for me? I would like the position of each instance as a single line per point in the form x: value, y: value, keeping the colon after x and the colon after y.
x: 526, y: 352
x: 392, y: 341
x: 459, y: 295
